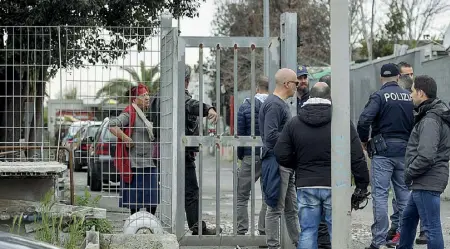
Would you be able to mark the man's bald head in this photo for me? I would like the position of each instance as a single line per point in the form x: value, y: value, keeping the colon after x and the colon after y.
x: 320, y: 90
x: 326, y: 79
x: 286, y: 83
x: 285, y: 75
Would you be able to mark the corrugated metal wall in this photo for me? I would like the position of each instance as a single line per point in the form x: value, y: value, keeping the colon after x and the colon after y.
x: 365, y: 78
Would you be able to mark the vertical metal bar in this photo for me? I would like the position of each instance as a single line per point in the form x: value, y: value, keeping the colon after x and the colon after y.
x: 179, y: 132
x: 200, y: 152
x: 252, y: 127
x: 289, y: 60
x: 288, y: 29
x: 266, y: 24
x: 274, y: 59
x: 340, y: 131
x: 235, y: 93
x: 14, y: 88
x: 60, y: 89
x: 218, y: 147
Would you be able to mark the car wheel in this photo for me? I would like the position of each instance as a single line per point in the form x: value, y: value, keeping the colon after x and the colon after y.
x: 95, y: 180
x: 88, y: 177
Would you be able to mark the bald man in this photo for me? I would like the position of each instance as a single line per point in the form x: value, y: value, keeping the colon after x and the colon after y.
x: 278, y: 180
x: 305, y: 146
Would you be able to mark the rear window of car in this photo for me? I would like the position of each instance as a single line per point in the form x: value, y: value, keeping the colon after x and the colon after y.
x: 92, y: 130
x: 74, y: 129
x: 107, y: 135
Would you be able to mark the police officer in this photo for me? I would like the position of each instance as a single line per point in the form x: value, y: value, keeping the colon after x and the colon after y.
x: 389, y: 112
x: 302, y: 93
x: 303, y: 86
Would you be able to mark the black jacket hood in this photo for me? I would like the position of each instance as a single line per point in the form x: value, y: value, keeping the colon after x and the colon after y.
x: 315, y: 114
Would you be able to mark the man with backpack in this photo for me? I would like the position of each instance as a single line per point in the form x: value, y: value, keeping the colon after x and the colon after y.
x: 244, y: 121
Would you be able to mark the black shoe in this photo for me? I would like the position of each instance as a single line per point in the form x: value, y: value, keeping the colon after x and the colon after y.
x: 422, y: 239
x: 371, y: 247
x: 206, y: 231
x: 391, y: 234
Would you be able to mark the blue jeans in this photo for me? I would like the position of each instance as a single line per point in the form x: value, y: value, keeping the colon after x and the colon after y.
x: 384, y: 171
x: 425, y: 205
x: 395, y: 218
x: 311, y: 203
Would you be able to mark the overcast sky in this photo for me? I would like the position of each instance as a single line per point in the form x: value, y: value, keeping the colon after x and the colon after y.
x: 97, y: 76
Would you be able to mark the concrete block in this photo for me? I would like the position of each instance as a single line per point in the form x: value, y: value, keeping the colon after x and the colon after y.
x: 27, y: 189
x: 139, y: 241
x: 92, y: 239
x: 46, y: 168
x: 9, y: 208
x: 28, y: 181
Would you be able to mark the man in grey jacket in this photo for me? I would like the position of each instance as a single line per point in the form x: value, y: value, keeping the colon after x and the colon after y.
x: 426, y: 167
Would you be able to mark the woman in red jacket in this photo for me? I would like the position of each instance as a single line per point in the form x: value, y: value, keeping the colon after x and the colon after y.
x: 139, y: 175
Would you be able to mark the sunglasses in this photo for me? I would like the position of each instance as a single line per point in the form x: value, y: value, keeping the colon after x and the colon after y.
x: 295, y: 82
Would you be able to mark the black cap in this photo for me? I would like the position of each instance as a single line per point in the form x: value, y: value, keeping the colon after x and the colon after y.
x: 389, y: 70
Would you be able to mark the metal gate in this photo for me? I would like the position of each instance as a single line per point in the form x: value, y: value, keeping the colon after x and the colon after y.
x: 173, y: 138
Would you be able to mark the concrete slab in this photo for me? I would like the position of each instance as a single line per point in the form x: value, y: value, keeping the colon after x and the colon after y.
x: 49, y: 168
x: 139, y: 241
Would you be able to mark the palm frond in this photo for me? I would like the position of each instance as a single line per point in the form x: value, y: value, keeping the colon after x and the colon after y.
x: 115, y: 87
x: 134, y: 75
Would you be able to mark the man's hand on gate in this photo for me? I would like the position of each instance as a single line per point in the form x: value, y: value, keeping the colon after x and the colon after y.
x: 212, y: 115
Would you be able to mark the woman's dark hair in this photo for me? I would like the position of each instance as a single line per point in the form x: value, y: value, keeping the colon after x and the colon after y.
x: 427, y: 85
x: 128, y: 93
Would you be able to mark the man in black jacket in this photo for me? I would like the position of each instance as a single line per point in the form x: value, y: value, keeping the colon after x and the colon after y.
x: 426, y: 167
x: 192, y: 112
x: 305, y: 146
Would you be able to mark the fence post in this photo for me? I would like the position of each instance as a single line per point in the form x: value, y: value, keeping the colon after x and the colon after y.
x: 168, y: 170
x: 288, y: 34
x: 340, y: 124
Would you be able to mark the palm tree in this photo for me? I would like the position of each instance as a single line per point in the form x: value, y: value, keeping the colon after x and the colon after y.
x: 117, y: 87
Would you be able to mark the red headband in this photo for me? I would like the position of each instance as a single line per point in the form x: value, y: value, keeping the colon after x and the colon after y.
x: 138, y: 90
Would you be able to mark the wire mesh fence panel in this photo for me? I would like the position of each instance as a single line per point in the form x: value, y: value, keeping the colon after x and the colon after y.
x: 87, y: 91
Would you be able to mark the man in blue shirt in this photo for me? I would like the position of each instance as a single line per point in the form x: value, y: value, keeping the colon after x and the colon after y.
x: 278, y: 180
x: 389, y: 113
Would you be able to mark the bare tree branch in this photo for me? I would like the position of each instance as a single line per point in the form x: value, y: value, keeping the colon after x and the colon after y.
x: 420, y: 14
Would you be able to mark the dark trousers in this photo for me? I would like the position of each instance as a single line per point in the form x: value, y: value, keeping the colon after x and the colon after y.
x: 323, y: 239
x: 191, y: 196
